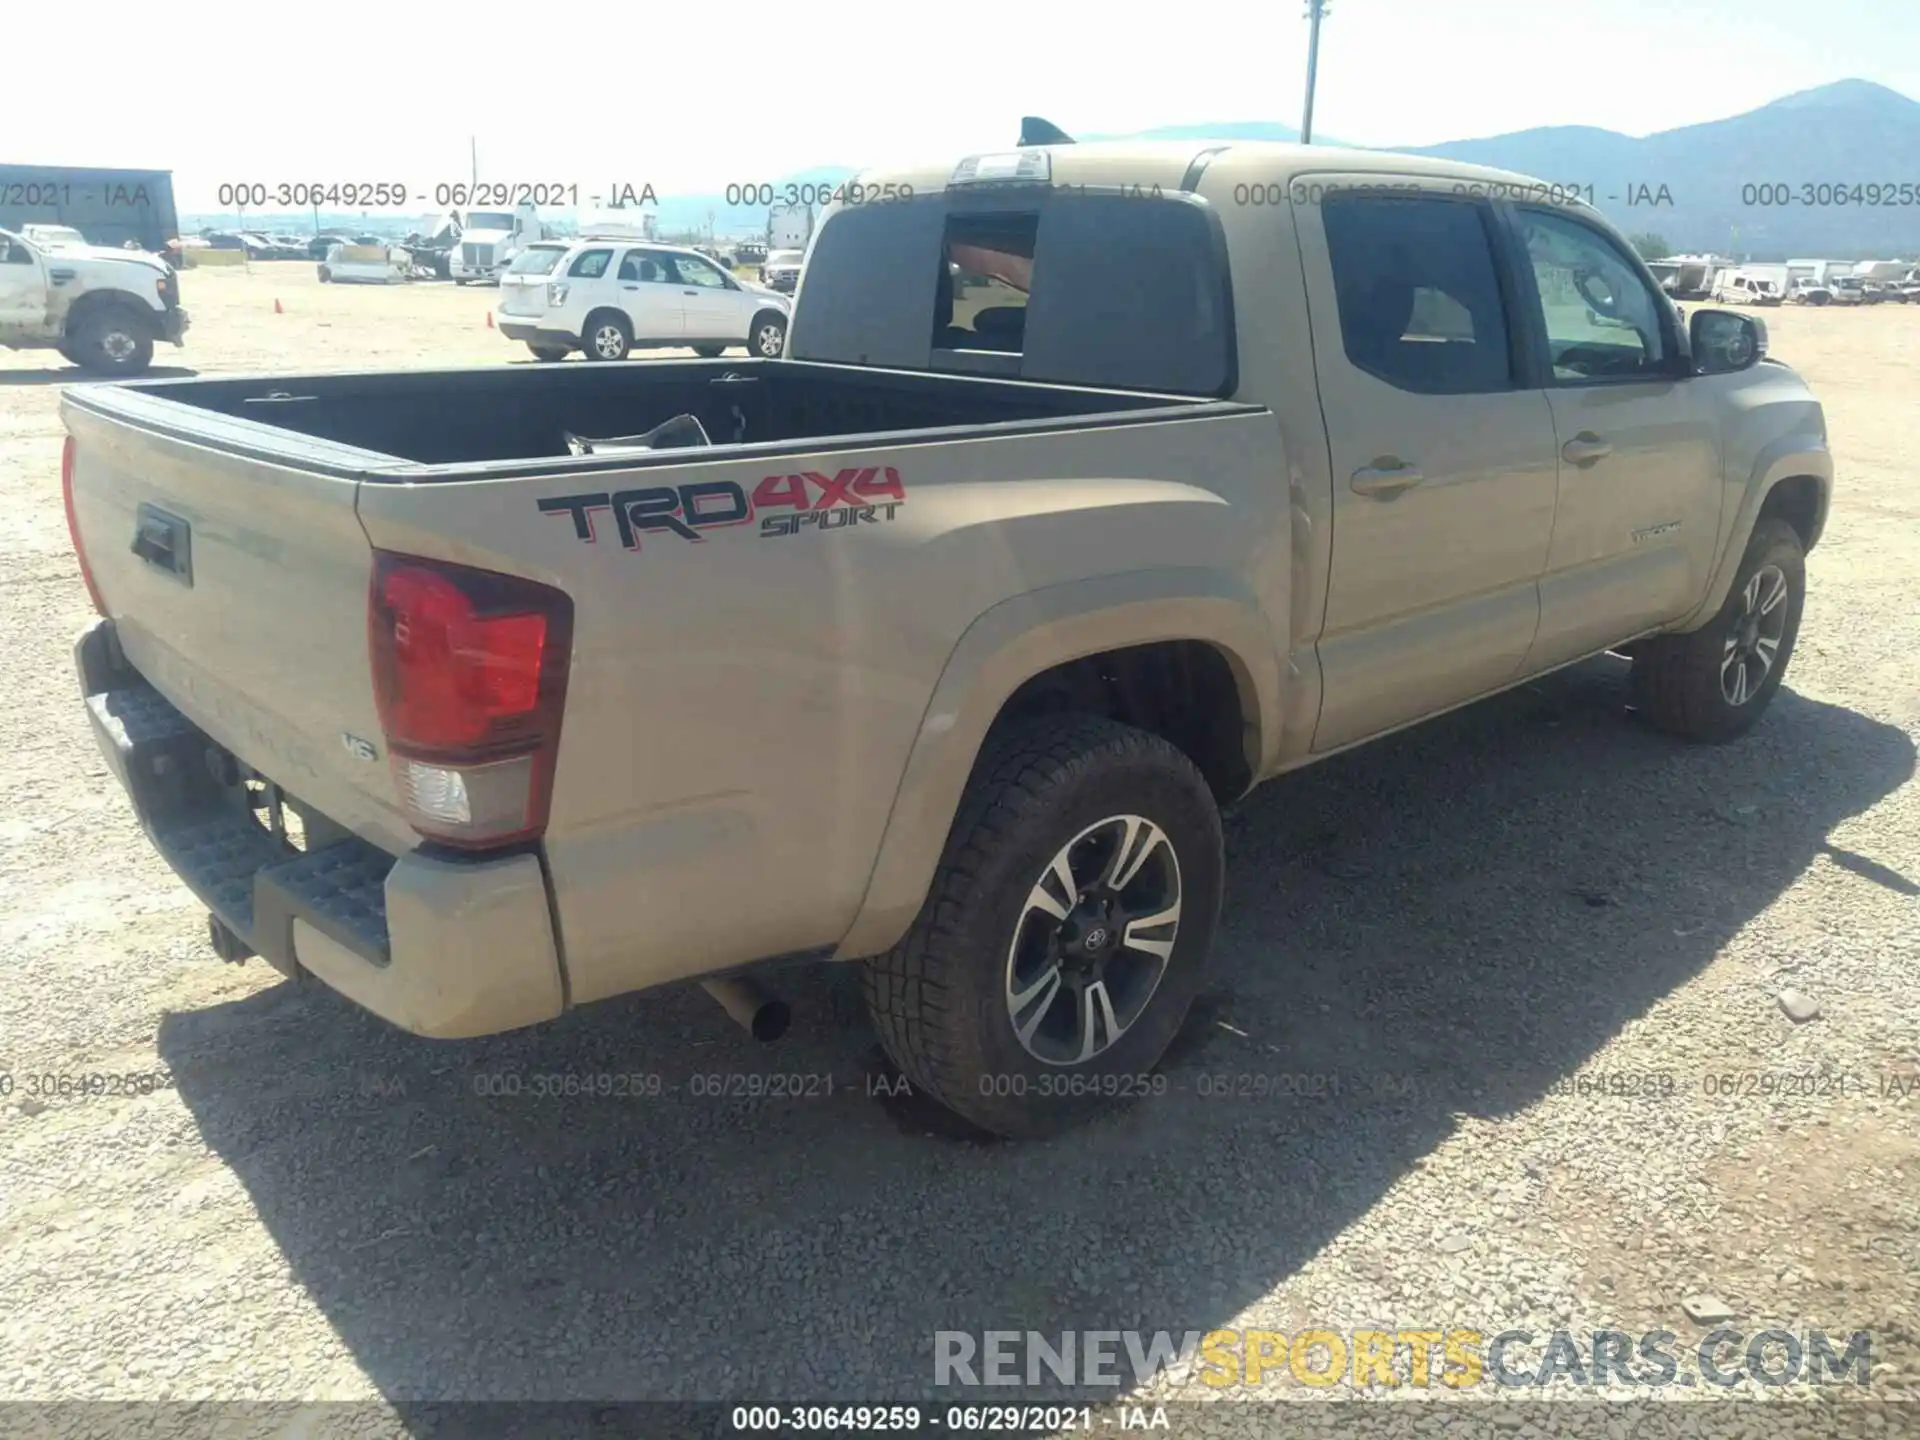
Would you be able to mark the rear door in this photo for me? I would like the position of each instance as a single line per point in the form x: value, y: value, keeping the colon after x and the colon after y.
x: 713, y: 309
x: 1443, y: 456
x: 523, y: 289
x: 650, y: 296
x: 1638, y: 512
x: 245, y: 603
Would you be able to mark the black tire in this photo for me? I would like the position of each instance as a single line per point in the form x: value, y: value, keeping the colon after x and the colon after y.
x: 548, y: 353
x: 326, y: 276
x: 940, y: 997
x: 112, y: 340
x: 597, y: 336
x: 767, y: 339
x: 709, y: 352
x: 1682, y: 682
x: 1822, y: 299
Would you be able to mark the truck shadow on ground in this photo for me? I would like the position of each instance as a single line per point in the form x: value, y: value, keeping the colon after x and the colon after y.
x: 1447, y: 921
x: 73, y: 375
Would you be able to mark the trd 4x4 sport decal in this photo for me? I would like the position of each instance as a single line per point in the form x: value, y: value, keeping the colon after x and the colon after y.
x: 807, y: 501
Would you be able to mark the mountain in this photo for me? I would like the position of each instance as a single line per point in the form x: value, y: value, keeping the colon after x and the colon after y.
x: 1720, y: 185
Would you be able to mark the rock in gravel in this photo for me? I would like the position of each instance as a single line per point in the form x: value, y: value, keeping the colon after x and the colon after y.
x: 31, y: 1107
x: 1706, y: 1309
x: 1798, y: 1008
x: 1454, y: 1244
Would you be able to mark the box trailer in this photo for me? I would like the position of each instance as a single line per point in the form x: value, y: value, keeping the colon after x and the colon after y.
x: 109, y: 207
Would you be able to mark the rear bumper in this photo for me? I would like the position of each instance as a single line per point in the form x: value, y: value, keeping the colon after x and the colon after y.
x: 440, y: 945
x: 532, y: 334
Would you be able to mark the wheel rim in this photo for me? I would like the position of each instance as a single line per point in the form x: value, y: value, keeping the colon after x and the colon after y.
x: 609, y: 343
x: 118, y: 345
x: 770, y: 341
x: 1093, y: 940
x: 1754, y: 646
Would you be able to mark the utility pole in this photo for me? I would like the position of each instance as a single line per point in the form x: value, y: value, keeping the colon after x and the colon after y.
x: 1316, y: 11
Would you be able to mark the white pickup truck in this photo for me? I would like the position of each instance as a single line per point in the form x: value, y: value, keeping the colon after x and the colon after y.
x: 102, y: 309
x: 936, y: 645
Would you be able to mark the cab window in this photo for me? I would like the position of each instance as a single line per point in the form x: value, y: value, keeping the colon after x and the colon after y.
x: 1418, y: 292
x: 694, y: 271
x: 1603, y: 321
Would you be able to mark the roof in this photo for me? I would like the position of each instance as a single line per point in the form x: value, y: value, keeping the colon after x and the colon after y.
x: 1170, y: 162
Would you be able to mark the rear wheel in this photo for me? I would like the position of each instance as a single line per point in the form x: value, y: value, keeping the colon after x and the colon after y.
x: 547, y: 352
x: 1064, y: 935
x: 607, y: 335
x: 708, y: 352
x: 113, y: 341
x: 1715, y: 683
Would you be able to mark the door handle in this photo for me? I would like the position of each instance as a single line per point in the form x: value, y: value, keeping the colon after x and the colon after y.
x: 1386, y: 482
x: 689, y: 292
x: 1585, y: 448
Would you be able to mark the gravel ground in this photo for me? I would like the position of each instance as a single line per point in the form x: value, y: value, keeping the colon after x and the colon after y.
x: 1431, y: 948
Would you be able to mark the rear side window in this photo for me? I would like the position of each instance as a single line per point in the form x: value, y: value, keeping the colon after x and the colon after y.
x: 1076, y: 287
x: 539, y: 260
x: 590, y: 264
x: 1418, y: 293
x: 641, y: 268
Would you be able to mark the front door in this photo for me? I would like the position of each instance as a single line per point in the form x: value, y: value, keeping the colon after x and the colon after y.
x: 713, y: 308
x: 23, y: 288
x: 1443, y: 459
x: 1638, y: 517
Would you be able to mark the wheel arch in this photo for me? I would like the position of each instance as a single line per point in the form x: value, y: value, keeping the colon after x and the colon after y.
x: 1792, y: 478
x: 1042, y: 652
x: 95, y: 302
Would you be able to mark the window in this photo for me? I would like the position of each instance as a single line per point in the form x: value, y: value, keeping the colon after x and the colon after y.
x: 989, y: 274
x: 1076, y: 287
x: 538, y: 260
x: 1602, y: 321
x: 639, y: 267
x: 13, y: 253
x: 1418, y: 293
x: 590, y: 264
x: 695, y: 271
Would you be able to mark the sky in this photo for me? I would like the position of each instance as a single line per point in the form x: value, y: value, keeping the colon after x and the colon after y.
x: 691, y: 99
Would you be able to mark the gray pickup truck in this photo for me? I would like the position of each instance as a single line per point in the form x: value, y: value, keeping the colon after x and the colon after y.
x: 1099, y: 484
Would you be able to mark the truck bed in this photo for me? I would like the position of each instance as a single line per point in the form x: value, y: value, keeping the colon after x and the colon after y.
x: 467, y: 417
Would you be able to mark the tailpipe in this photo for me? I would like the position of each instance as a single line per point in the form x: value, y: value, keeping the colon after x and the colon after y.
x: 763, y: 1016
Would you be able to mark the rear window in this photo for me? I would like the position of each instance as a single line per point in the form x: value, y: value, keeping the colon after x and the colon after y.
x: 1077, y: 287
x: 538, y: 261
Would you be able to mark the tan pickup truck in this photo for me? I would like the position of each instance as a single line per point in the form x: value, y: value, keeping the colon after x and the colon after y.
x: 1098, y: 484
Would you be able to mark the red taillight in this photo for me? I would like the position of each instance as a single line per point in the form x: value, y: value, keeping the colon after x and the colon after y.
x: 470, y: 675
x: 73, y: 525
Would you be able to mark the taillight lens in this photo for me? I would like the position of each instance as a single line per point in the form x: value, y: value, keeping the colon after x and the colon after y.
x: 73, y: 525
x: 470, y: 675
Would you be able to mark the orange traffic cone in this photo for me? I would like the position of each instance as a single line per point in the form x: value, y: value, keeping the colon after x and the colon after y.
x: 490, y: 320
x: 276, y: 308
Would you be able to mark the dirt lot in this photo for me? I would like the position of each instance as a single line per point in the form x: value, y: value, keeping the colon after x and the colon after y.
x: 1429, y: 948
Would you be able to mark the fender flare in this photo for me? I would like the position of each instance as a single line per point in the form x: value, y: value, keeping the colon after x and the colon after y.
x: 1786, y: 458
x: 1010, y: 643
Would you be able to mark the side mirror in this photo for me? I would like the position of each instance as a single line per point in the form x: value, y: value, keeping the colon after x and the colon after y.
x: 1723, y: 342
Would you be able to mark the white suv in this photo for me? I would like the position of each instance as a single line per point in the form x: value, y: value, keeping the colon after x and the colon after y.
x: 611, y: 297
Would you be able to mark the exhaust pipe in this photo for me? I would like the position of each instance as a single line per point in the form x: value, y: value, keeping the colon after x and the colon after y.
x: 763, y: 1016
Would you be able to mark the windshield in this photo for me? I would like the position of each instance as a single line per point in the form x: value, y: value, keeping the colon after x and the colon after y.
x: 539, y: 260
x: 489, y: 220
